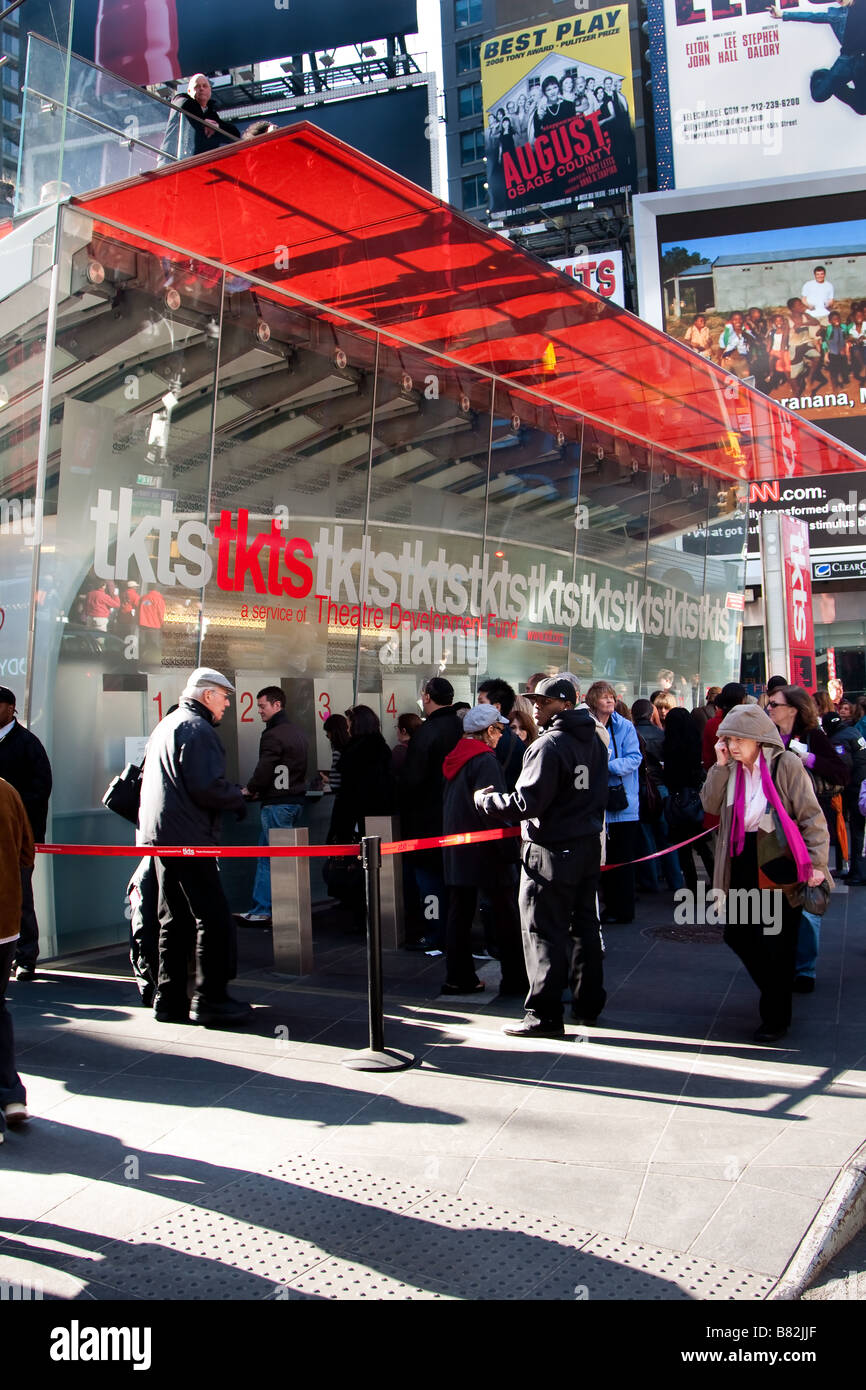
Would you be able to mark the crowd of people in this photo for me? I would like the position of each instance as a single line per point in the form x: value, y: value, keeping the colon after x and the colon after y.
x: 610, y: 800
x: 795, y: 350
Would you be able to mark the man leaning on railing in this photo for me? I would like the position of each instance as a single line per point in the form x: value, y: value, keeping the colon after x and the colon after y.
x: 195, y: 125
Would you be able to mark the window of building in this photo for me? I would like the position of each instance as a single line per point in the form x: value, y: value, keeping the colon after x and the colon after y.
x: 468, y: 55
x: 471, y: 145
x: 11, y: 110
x: 466, y: 12
x: 11, y: 44
x: 474, y: 191
x: 469, y: 102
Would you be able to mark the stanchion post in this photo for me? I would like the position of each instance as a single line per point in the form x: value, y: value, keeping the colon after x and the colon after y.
x: 390, y: 884
x: 376, y: 1057
x: 290, y: 906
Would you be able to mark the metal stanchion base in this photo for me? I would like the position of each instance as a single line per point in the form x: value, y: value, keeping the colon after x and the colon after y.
x: 388, y: 1060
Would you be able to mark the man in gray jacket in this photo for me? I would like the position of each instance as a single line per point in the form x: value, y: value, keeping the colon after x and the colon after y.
x: 183, y: 795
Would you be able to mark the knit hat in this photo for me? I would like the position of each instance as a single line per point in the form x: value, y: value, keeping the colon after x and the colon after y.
x: 750, y: 721
x: 205, y: 678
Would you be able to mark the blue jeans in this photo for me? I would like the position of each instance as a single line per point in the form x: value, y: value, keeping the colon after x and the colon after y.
x: 808, y: 938
x: 273, y: 818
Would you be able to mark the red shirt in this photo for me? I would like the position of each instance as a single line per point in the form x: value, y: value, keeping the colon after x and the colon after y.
x: 99, y: 604
x: 708, y: 741
x: 151, y: 610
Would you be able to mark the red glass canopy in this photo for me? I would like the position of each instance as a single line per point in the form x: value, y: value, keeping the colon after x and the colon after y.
x: 309, y: 215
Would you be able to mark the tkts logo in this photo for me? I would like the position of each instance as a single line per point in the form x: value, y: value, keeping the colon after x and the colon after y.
x: 268, y: 560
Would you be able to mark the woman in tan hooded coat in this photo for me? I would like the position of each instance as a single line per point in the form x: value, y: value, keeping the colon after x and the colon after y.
x: 760, y: 792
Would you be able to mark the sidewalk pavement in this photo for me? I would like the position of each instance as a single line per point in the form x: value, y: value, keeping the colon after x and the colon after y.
x: 661, y: 1156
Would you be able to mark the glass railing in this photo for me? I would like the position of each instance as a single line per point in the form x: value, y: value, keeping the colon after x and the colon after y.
x: 84, y: 128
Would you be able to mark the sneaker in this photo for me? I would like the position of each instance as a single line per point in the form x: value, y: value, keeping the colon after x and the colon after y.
x: 535, y: 1028
x: 167, y: 1010
x: 252, y: 919
x: 25, y: 974
x: 15, y: 1114
x: 424, y: 943
x: 219, y: 1013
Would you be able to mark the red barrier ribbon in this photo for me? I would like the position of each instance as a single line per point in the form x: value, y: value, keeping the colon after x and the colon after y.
x: 472, y: 837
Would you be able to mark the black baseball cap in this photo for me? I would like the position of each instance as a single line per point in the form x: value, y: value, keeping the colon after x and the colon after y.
x: 555, y: 688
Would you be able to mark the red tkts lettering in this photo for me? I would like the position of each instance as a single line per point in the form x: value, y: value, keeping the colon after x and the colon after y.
x: 232, y: 569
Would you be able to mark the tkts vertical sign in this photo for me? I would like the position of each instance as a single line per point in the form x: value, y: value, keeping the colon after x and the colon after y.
x: 798, y: 601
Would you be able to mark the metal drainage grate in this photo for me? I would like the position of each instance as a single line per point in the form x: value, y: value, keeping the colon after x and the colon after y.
x: 695, y: 936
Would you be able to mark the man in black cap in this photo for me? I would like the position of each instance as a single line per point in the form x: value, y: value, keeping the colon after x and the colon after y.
x: 24, y: 764
x: 560, y: 799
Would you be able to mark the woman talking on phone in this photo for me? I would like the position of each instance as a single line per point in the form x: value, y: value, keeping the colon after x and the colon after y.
x: 772, y: 837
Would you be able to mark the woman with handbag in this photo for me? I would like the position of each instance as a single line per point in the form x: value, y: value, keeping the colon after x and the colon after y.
x: 772, y: 837
x: 684, y: 777
x: 795, y: 715
x: 623, y: 806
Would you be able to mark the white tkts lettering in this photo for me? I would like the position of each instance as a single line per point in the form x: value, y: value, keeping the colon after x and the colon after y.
x: 132, y: 543
x: 77, y: 1343
x: 417, y: 579
x: 20, y: 517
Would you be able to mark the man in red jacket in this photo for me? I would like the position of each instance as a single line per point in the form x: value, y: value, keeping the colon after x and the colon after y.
x: 471, y: 766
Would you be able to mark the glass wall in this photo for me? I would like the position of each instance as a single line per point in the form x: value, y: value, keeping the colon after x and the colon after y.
x: 235, y: 479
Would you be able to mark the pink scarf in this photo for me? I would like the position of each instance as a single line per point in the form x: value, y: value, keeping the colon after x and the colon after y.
x: 790, y: 829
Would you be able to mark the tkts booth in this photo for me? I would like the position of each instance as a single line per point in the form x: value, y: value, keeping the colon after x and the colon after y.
x: 308, y: 425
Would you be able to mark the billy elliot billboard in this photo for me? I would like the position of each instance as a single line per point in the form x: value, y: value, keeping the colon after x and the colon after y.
x: 148, y: 41
x: 747, y: 91
x: 559, y: 106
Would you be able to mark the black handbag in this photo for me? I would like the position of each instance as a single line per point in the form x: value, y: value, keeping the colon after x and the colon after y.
x: 685, y: 805
x: 124, y: 793
x: 344, y: 879
x: 617, y: 796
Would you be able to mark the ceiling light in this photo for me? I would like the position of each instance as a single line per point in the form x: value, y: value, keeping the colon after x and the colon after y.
x: 95, y: 272
x: 340, y: 359
x: 172, y: 299
x: 263, y: 331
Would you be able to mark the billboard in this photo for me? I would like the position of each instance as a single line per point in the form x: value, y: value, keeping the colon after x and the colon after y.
x: 559, y: 107
x: 148, y: 41
x: 833, y: 509
x: 746, y: 91
x: 601, y: 272
x: 772, y: 288
x: 390, y: 127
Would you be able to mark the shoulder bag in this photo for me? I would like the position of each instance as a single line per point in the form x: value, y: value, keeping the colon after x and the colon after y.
x: 617, y: 796
x: 123, y: 795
